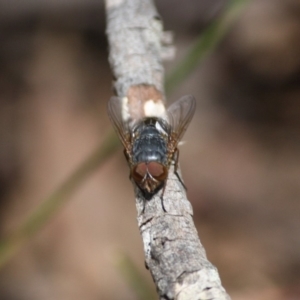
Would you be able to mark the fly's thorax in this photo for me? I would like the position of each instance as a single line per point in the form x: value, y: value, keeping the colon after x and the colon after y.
x: 150, y: 142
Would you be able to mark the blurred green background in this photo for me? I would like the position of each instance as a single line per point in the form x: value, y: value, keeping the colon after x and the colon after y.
x: 240, y: 162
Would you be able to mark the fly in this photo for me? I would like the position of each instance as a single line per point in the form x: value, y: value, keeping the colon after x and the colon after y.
x: 151, y: 143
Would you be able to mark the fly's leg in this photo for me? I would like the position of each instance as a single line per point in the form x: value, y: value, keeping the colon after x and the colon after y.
x: 176, y: 158
x: 142, y: 193
x: 162, y: 196
x: 144, y: 206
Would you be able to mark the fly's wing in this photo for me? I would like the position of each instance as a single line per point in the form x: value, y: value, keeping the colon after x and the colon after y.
x: 122, y: 127
x: 179, y: 116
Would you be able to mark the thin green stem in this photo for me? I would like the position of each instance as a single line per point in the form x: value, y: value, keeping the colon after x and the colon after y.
x: 205, y: 44
x: 135, y: 279
x: 50, y: 206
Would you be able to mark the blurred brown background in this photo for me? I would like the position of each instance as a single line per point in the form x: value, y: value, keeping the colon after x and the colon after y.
x: 241, y: 161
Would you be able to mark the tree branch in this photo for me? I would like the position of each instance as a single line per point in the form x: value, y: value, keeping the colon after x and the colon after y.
x: 173, y: 252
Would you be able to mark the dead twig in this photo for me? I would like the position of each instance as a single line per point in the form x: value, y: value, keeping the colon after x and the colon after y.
x: 173, y: 252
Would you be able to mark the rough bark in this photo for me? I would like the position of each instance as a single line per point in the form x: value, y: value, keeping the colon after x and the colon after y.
x: 173, y: 252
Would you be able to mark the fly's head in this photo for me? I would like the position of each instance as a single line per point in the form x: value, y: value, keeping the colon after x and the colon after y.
x: 149, y: 176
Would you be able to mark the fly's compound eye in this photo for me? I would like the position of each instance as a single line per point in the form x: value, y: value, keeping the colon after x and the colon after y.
x: 139, y: 172
x: 157, y: 171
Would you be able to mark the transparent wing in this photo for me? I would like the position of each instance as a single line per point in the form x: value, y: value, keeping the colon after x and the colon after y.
x: 114, y: 109
x: 180, y: 114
